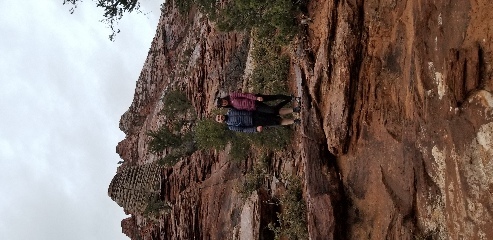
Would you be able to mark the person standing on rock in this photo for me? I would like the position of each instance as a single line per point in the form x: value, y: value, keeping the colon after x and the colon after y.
x: 252, y: 121
x: 256, y: 102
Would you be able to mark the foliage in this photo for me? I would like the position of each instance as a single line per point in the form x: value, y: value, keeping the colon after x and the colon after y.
x: 272, y: 139
x: 173, y: 134
x: 240, y: 146
x: 270, y: 18
x: 254, y: 178
x: 182, y: 5
x: 210, y: 134
x: 156, y: 207
x: 175, y: 102
x: 113, y: 11
x: 273, y: 17
x: 292, y: 219
x: 169, y: 160
x: 272, y: 67
x: 162, y: 139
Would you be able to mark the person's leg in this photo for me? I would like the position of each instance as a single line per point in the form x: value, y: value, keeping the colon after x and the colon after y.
x: 262, y: 107
x: 287, y: 121
x: 266, y: 119
x: 284, y: 111
x: 268, y: 98
x: 280, y: 105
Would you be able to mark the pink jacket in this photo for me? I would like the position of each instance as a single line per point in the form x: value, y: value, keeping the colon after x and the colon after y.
x: 242, y: 101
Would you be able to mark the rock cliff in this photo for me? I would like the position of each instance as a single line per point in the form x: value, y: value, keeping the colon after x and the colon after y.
x: 396, y: 140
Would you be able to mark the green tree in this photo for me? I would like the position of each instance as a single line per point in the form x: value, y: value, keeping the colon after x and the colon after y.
x: 175, y: 101
x: 113, y: 11
x: 163, y: 138
x: 210, y: 134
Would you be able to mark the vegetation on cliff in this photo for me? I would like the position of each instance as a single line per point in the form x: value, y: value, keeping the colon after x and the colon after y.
x: 272, y: 25
x: 291, y: 223
x: 114, y: 10
x: 267, y: 17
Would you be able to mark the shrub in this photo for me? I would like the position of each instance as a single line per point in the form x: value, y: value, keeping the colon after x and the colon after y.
x: 156, y: 207
x: 272, y: 138
x: 183, y: 6
x: 175, y: 102
x: 292, y: 218
x: 174, y: 134
x: 210, y: 134
x: 169, y: 160
x: 254, y: 179
x: 162, y: 139
x: 240, y: 147
x: 272, y: 67
x: 272, y: 18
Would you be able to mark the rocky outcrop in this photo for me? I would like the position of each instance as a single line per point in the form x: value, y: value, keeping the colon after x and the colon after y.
x: 396, y: 134
x: 133, y: 187
x: 406, y: 117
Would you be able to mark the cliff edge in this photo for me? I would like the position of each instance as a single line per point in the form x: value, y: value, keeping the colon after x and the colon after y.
x: 396, y: 138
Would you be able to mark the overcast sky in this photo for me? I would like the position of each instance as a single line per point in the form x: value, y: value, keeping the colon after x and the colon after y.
x: 63, y: 88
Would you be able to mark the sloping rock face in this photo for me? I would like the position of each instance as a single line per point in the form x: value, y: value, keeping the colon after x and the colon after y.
x: 401, y: 92
x: 396, y: 135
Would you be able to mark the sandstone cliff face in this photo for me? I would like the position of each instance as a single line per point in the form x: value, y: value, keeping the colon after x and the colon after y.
x: 396, y: 135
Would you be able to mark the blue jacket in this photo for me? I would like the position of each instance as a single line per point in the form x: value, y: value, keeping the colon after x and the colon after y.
x: 240, y: 121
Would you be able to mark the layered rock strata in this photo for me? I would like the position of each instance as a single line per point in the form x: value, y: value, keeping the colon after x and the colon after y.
x: 396, y: 134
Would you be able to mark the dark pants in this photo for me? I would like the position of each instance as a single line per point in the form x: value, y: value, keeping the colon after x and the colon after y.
x: 268, y: 98
x: 265, y: 119
x: 262, y: 107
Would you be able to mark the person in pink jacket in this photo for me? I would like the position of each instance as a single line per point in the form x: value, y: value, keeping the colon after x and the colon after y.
x: 256, y: 102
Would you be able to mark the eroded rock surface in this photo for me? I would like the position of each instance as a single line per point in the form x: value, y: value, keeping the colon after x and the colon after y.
x: 396, y: 135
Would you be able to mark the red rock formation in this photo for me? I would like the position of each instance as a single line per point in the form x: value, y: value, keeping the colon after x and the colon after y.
x: 396, y: 136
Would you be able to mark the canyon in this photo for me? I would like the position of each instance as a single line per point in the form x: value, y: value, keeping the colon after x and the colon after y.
x: 396, y: 133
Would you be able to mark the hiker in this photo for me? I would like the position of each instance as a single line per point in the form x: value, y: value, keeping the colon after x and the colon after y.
x: 252, y: 121
x: 255, y: 102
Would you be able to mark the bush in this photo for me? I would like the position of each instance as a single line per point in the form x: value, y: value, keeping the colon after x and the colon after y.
x: 162, y: 139
x: 210, y: 134
x: 183, y: 6
x: 272, y: 139
x: 292, y: 218
x: 272, y: 67
x: 156, y: 207
x: 240, y: 146
x: 169, y: 160
x: 174, y: 134
x: 175, y: 102
x: 273, y: 18
x: 254, y: 179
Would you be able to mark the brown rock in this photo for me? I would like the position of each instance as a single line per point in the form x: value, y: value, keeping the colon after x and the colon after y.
x: 396, y: 135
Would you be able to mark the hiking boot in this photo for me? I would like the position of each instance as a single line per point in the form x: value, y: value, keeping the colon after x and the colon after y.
x: 298, y: 100
x: 296, y: 109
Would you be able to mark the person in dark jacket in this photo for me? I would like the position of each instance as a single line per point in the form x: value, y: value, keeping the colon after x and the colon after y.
x: 256, y: 102
x: 251, y: 121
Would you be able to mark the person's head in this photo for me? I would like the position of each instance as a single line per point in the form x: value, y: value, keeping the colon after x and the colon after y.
x: 222, y: 102
x: 220, y: 118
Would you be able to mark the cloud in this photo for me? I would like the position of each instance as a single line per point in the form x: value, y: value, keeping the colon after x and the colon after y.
x: 64, y: 87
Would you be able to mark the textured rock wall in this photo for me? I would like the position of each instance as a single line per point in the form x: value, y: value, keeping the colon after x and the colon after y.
x: 132, y: 187
x: 401, y: 90
x: 396, y: 134
x: 187, y: 53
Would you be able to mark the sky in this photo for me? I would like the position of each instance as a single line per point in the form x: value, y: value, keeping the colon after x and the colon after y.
x: 63, y: 88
